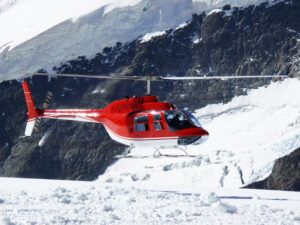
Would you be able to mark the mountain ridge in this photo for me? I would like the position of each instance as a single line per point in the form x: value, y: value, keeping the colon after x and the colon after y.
x: 87, y: 34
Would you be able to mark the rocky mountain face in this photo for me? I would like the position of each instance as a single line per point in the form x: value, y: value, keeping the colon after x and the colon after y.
x: 285, y: 174
x: 260, y: 39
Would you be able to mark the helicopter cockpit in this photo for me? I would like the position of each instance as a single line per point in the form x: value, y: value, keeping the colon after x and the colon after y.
x: 179, y: 120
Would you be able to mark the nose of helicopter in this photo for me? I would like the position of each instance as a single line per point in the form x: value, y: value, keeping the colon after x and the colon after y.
x: 201, y: 140
x: 196, y: 137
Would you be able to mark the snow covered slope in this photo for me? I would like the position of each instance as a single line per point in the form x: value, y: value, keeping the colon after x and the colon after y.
x: 29, y: 201
x: 39, y: 34
x: 246, y: 136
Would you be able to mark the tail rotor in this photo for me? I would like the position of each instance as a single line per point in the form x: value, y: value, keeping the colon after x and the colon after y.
x: 34, y: 120
x: 47, y: 100
x: 45, y: 106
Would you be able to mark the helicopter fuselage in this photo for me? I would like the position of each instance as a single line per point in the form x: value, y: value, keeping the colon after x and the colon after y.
x: 137, y: 121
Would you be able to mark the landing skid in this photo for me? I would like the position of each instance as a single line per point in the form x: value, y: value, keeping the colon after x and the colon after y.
x: 152, y: 157
x: 156, y: 153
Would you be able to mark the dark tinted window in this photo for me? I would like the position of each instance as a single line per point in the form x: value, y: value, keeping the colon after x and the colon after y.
x: 177, y: 120
x: 157, y: 122
x: 141, y: 119
x: 194, y: 119
x: 141, y: 123
x: 157, y: 117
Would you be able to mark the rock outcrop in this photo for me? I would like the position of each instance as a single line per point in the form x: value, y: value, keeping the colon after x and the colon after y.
x: 285, y: 174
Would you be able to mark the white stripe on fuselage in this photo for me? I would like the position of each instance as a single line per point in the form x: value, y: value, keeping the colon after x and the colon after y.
x: 143, y: 142
x: 79, y: 119
x: 83, y: 114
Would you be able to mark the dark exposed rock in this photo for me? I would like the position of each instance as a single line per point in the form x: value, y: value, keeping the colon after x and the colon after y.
x: 253, y: 40
x: 285, y: 174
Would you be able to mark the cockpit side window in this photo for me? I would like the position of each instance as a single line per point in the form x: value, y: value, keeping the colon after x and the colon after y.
x: 141, y: 123
x: 176, y: 120
x: 194, y: 119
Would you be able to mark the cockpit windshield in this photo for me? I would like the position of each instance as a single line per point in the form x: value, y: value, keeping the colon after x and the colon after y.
x: 194, y: 119
x: 177, y: 120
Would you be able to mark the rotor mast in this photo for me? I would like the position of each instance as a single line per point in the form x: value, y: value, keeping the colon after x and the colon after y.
x: 148, y: 87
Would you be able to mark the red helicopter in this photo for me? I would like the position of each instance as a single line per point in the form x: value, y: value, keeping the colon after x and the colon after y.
x: 136, y: 121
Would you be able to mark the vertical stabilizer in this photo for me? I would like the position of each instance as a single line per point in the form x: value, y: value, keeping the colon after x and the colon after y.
x: 32, y: 111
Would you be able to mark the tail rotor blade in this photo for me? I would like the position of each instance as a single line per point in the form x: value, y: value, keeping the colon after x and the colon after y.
x: 47, y: 100
x: 45, y: 106
x: 37, y: 124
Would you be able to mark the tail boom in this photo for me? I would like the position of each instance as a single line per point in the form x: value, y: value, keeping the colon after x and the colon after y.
x: 82, y: 115
x: 34, y: 114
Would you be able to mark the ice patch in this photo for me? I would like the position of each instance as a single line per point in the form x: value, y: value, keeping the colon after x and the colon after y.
x: 149, y: 36
x: 214, y: 11
x: 180, y: 26
x: 82, y: 197
x: 114, y: 217
x: 208, y: 199
x: 197, y: 40
x: 45, y: 137
x: 225, y: 208
x: 107, y: 208
x: 6, y: 221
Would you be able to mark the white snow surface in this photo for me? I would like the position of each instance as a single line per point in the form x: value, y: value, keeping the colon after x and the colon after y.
x: 30, y: 201
x: 149, y: 36
x: 246, y: 136
x: 20, y: 20
x: 39, y: 34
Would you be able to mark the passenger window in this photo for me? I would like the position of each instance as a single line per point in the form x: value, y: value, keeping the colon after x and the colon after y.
x: 141, y: 123
x: 158, y: 122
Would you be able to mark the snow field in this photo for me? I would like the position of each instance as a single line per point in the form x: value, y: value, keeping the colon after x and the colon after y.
x: 29, y: 201
x: 246, y: 136
x: 25, y: 19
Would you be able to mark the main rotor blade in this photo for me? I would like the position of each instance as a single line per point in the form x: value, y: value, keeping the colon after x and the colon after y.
x: 86, y: 76
x: 158, y: 78
x: 224, y: 77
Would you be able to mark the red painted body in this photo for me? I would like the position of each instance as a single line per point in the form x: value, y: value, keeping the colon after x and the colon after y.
x: 134, y: 121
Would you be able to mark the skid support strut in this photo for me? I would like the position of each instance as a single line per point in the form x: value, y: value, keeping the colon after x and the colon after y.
x: 157, y: 153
